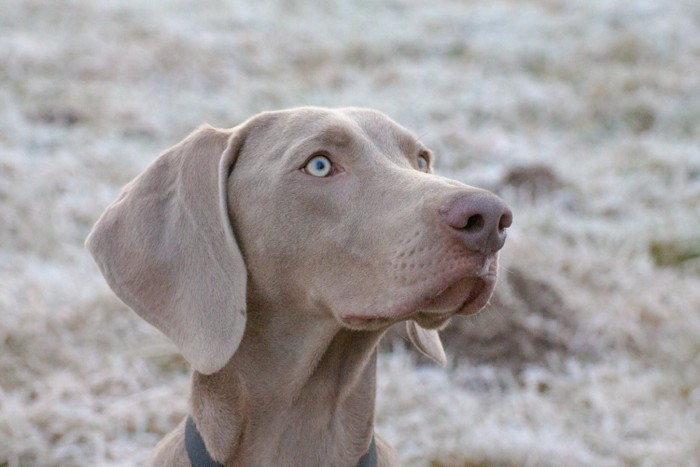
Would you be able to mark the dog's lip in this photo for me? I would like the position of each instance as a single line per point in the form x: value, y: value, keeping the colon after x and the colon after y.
x: 480, y: 290
x: 479, y: 296
x: 481, y: 284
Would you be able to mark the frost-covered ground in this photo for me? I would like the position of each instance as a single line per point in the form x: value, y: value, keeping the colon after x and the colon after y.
x: 583, y: 114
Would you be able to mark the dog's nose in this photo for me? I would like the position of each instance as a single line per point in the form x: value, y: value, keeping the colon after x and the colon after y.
x: 479, y: 219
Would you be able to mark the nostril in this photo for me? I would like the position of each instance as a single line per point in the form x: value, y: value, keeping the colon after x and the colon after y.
x: 506, y: 220
x: 475, y: 223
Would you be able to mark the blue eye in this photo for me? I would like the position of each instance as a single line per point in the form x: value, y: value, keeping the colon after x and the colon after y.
x: 318, y: 166
x: 423, y: 163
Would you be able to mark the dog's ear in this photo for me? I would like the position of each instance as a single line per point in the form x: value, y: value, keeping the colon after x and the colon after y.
x: 427, y: 341
x: 167, y: 249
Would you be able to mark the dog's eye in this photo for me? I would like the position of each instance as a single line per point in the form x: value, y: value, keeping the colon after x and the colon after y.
x: 318, y: 166
x: 423, y: 163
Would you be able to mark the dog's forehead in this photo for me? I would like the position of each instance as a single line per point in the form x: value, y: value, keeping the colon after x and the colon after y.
x: 284, y: 136
x: 382, y: 129
x: 340, y: 127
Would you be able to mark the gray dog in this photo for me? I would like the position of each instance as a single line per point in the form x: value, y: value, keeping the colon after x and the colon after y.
x: 275, y: 255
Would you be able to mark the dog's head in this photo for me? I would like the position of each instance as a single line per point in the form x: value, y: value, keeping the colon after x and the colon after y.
x: 331, y: 212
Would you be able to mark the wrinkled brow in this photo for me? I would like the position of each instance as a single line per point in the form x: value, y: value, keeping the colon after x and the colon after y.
x: 334, y: 138
x: 409, y: 144
x: 336, y: 135
x: 395, y: 138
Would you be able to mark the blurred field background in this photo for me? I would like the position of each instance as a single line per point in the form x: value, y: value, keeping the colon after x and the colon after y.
x: 583, y: 114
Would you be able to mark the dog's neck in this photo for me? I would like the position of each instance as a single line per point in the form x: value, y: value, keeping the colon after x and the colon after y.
x: 299, y: 388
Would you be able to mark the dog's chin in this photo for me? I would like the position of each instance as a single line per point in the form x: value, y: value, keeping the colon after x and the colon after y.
x: 466, y: 296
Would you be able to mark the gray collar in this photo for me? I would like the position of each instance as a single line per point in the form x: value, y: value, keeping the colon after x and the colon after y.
x: 199, y: 456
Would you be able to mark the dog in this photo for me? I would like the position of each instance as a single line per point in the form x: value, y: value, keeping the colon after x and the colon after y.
x: 275, y: 255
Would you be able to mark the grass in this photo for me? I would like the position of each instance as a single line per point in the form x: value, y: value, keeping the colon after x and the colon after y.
x: 583, y: 115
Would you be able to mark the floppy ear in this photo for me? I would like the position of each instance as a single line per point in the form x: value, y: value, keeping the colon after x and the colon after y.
x: 167, y: 249
x: 427, y: 341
